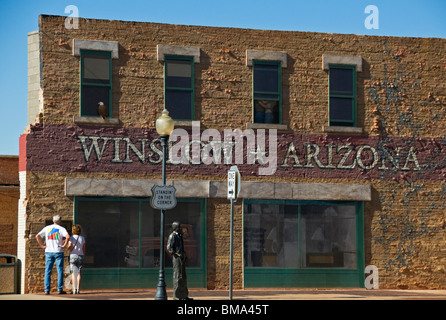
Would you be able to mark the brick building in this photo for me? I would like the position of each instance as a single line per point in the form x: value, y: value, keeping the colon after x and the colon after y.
x: 345, y: 167
x: 9, y: 196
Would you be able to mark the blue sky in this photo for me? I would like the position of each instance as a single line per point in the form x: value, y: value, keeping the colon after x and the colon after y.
x: 402, y: 18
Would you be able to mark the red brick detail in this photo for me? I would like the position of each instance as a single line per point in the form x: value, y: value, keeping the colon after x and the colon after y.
x: 22, y: 152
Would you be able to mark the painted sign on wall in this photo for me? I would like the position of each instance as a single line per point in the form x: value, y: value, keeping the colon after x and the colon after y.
x: 133, y: 150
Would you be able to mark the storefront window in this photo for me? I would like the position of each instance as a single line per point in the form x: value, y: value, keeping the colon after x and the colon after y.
x: 328, y: 236
x: 188, y: 213
x: 292, y: 234
x: 125, y: 233
x: 270, y: 234
x: 107, y: 226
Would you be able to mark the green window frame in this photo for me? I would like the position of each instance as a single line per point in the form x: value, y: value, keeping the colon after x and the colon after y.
x: 267, y: 86
x: 95, y: 87
x: 179, y: 87
x: 342, y: 95
x: 133, y: 272
x: 297, y: 270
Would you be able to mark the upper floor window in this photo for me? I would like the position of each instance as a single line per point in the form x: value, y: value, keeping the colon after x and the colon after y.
x: 342, y: 95
x: 179, y: 83
x: 96, y: 83
x: 179, y: 87
x: 96, y: 80
x: 267, y: 91
x: 342, y: 105
x: 267, y: 85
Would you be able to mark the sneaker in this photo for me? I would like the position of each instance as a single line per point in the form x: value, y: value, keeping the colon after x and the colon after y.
x: 62, y: 292
x: 47, y: 292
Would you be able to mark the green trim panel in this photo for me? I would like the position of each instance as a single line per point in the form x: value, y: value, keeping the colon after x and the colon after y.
x: 257, y: 277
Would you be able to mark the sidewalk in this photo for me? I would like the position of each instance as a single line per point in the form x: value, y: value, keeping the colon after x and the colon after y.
x: 247, y: 294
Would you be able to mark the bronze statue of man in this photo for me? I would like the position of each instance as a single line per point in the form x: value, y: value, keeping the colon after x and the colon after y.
x: 175, y: 247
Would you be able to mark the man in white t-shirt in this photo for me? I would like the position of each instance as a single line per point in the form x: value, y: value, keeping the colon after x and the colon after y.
x: 54, y: 251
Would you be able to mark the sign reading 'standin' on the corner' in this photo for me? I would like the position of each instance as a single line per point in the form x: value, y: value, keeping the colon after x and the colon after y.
x: 163, y: 197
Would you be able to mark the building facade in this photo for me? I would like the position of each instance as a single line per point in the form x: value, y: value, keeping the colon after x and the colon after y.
x: 339, y: 139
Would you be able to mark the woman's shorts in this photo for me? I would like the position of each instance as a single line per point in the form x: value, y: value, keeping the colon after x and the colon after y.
x: 76, y: 263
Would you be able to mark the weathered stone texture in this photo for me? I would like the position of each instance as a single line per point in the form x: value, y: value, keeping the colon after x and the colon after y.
x: 401, y: 85
x: 9, y: 196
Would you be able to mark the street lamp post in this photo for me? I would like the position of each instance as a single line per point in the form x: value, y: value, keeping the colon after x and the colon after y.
x: 164, y: 127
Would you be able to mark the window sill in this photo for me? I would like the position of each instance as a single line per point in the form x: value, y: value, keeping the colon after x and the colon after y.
x: 96, y: 121
x: 279, y: 127
x: 344, y: 130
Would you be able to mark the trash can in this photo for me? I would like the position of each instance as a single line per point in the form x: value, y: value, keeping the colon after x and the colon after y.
x: 8, y: 274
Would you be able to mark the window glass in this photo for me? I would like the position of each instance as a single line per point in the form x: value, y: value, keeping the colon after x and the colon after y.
x: 178, y: 103
x: 178, y: 68
x: 272, y: 230
x: 267, y: 92
x: 328, y: 236
x: 189, y: 215
x: 266, y: 78
x: 266, y: 111
x: 266, y: 96
x: 96, y: 68
x: 179, y: 87
x: 179, y: 74
x: 126, y: 234
x: 108, y: 227
x: 96, y: 82
x: 270, y: 235
x: 91, y: 96
x: 342, y: 91
x: 341, y: 109
x: 341, y: 81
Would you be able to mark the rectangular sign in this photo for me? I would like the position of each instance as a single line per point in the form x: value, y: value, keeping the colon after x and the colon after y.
x: 231, y: 184
x: 138, y: 150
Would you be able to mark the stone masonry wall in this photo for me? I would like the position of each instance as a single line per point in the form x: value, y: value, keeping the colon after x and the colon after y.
x: 401, y: 86
x: 9, y: 195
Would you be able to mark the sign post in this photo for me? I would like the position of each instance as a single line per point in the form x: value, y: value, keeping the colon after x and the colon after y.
x: 163, y: 198
x: 233, y: 192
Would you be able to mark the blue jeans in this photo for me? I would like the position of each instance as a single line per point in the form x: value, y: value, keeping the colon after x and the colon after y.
x: 269, y: 117
x: 50, y: 258
x: 259, y: 117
